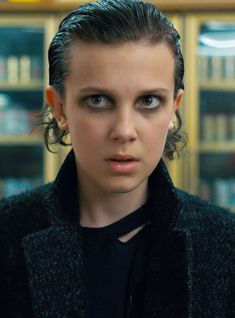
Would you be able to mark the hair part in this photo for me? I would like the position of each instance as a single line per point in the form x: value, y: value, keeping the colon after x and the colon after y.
x: 112, y: 22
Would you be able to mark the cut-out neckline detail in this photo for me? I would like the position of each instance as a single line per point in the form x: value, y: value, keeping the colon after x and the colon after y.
x: 122, y: 230
x: 127, y: 237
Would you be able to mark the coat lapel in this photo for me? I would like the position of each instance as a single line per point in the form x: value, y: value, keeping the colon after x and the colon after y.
x: 168, y: 277
x: 169, y: 287
x: 54, y: 265
x: 210, y: 263
x: 53, y: 256
x: 187, y: 276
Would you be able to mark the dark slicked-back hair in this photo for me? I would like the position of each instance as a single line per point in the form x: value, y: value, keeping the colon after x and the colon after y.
x: 112, y: 22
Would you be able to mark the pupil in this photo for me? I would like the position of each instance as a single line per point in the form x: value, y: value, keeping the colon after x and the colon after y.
x: 148, y: 100
x: 96, y: 99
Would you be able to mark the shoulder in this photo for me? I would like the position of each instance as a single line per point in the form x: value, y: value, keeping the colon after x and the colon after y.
x: 23, y: 202
x: 23, y: 213
x: 202, y: 215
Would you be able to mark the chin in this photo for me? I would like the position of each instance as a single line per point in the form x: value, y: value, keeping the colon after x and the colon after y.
x: 121, y: 190
x: 123, y: 187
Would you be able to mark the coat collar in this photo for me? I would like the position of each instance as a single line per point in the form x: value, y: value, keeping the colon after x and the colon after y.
x: 54, y: 256
x: 169, y: 280
x: 55, y: 267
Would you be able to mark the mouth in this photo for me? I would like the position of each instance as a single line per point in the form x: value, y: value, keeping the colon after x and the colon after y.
x: 122, y: 158
x: 122, y: 164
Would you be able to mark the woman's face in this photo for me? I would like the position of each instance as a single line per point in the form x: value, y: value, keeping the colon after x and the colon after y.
x: 118, y: 106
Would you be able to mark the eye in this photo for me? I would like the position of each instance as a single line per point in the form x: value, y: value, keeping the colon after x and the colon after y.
x: 149, y: 102
x: 98, y: 101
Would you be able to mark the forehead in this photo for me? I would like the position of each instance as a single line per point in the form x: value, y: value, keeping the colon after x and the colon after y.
x: 135, y: 62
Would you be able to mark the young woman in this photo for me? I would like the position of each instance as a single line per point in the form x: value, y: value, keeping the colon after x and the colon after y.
x: 112, y: 236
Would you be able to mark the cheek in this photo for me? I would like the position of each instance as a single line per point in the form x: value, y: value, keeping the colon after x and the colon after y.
x: 159, y: 129
x: 157, y: 135
x: 85, y: 136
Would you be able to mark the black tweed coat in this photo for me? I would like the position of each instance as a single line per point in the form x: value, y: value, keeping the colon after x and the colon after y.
x: 191, y: 271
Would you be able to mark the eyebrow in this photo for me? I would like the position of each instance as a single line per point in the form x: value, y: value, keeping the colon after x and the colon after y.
x: 100, y: 90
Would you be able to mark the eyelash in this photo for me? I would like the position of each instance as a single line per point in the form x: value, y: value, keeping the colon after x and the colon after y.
x: 97, y: 108
x: 150, y: 109
x: 111, y: 102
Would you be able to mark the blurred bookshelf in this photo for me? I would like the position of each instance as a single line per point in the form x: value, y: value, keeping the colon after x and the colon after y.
x: 210, y: 56
x: 23, y: 158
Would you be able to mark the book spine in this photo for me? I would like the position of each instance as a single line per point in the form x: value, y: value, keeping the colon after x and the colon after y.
x: 12, y: 69
x: 24, y: 69
x: 203, y: 68
x: 3, y: 68
x: 229, y: 68
x: 216, y: 68
x: 232, y: 127
x: 221, y: 127
x: 208, y: 128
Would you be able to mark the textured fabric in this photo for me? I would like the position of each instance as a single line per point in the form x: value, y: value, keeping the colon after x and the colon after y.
x: 191, y: 265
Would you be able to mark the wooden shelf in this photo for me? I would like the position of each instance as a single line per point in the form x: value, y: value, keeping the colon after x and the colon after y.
x: 217, y: 146
x: 20, y: 140
x: 33, y: 85
x: 64, y: 5
x: 218, y: 85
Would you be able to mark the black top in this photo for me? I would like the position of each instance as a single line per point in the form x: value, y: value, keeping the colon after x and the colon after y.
x: 114, y: 269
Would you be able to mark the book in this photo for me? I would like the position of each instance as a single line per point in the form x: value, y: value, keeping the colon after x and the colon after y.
x: 12, y: 69
x: 208, y: 128
x: 229, y: 68
x: 24, y: 69
x: 221, y: 130
x: 203, y: 68
x: 215, y: 68
x: 3, y: 68
x: 232, y: 127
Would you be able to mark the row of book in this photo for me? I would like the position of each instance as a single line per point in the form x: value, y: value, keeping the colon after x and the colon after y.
x: 14, y: 118
x: 218, y: 127
x: 20, y: 69
x: 12, y: 186
x: 17, y: 121
x: 219, y: 191
x: 217, y: 68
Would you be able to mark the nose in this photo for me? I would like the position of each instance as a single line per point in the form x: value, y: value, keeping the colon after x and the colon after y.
x: 123, y: 128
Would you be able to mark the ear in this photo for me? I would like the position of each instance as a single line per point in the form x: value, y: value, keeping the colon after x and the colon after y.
x: 178, y: 98
x: 56, y: 103
x: 177, y: 103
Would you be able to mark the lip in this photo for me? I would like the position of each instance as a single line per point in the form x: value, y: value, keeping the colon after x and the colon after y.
x: 122, y: 157
x: 122, y: 163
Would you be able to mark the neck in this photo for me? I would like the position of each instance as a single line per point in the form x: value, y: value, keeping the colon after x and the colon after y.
x: 99, y: 208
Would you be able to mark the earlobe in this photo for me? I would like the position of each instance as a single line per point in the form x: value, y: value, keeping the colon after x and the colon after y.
x: 56, y: 103
x: 171, y: 125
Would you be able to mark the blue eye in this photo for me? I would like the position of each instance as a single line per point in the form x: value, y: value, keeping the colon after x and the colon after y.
x: 98, y: 101
x: 149, y: 102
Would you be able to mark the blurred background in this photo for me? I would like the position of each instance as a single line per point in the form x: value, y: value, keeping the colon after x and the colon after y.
x: 207, y: 28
